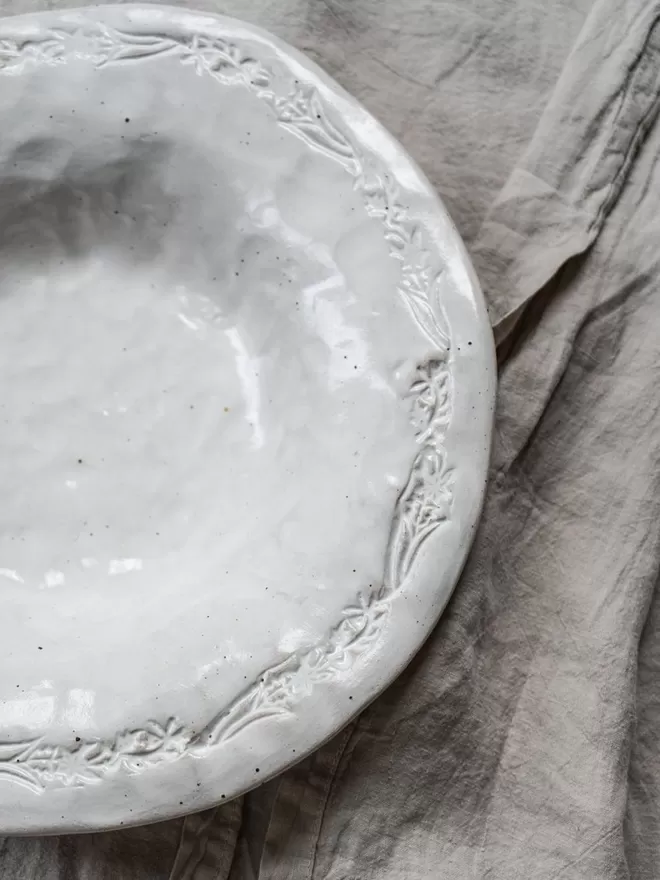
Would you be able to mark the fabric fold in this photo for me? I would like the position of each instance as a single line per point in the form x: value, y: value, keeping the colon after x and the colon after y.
x: 502, y: 751
x: 556, y: 200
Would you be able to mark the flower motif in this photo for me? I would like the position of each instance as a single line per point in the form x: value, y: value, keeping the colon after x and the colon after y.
x: 433, y: 473
x: 87, y: 763
x: 423, y: 505
x: 422, y: 411
x: 173, y: 736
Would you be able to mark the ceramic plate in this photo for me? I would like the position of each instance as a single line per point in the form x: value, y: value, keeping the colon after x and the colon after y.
x: 245, y: 410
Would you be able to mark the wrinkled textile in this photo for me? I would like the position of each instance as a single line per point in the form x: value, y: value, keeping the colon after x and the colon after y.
x: 522, y: 742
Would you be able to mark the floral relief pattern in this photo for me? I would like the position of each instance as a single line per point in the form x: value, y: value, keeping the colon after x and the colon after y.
x: 424, y: 504
x: 37, y: 764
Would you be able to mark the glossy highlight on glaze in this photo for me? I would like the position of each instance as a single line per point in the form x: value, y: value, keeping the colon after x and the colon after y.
x: 231, y: 376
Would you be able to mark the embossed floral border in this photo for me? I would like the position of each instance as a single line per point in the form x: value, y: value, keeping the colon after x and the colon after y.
x: 425, y: 502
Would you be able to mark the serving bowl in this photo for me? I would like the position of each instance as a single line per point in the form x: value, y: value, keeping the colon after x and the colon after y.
x: 246, y: 398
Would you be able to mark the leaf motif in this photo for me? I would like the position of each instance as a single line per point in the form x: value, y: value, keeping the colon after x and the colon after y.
x: 421, y: 507
x: 19, y: 750
x: 26, y: 776
x: 396, y: 240
x: 254, y: 73
x: 135, y: 53
x: 317, y: 136
x: 426, y: 319
x: 260, y: 78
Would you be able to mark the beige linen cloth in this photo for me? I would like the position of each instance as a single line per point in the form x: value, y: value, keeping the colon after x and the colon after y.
x: 523, y: 742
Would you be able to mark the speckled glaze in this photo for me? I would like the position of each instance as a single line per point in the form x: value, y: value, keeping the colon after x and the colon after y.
x: 246, y: 391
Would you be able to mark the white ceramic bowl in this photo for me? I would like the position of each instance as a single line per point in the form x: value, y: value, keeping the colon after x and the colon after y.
x: 246, y: 391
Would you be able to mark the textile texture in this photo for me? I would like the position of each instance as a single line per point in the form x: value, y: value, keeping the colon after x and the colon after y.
x: 522, y: 741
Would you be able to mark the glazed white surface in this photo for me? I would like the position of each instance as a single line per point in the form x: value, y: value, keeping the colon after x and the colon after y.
x: 245, y: 406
